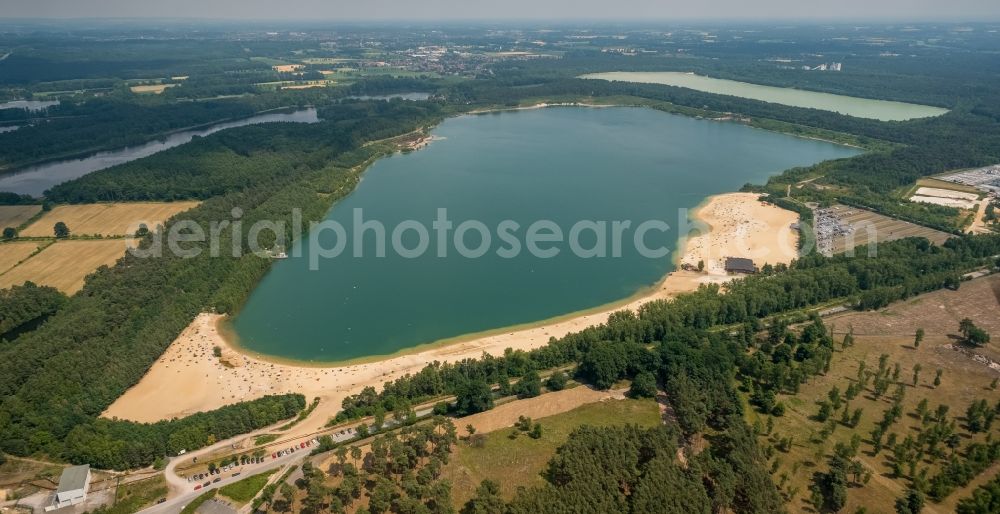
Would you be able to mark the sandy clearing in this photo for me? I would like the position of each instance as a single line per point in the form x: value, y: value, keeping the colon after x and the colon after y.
x: 979, y: 224
x: 109, y: 219
x: 187, y: 378
x: 946, y: 193
x: 151, y: 88
x: 65, y: 264
x: 13, y: 253
x: 947, y: 202
x: 15, y: 215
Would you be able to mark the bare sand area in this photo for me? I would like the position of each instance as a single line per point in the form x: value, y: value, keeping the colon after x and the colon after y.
x: 151, y: 88
x: 188, y: 378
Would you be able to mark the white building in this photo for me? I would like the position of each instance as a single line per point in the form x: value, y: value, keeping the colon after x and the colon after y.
x: 73, y: 485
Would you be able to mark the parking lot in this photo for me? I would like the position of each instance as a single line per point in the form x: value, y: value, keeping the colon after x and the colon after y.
x: 840, y: 229
x: 215, y: 474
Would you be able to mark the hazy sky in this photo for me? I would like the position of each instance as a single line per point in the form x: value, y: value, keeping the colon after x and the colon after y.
x: 970, y: 10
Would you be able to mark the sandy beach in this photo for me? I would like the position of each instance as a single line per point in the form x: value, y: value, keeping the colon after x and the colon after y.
x: 188, y: 378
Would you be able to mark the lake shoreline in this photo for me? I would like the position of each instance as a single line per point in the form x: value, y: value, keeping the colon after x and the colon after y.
x: 546, y: 105
x: 188, y: 378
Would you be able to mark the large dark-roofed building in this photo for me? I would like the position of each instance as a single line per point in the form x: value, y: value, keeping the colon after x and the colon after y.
x: 740, y: 265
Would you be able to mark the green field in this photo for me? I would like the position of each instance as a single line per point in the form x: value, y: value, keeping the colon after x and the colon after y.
x: 244, y: 490
x: 135, y: 496
x: 517, y: 462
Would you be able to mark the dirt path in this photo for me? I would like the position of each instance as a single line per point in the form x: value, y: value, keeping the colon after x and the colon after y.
x: 979, y: 221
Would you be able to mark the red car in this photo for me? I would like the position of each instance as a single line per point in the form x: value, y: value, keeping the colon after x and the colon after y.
x: 274, y: 455
x: 302, y: 445
x: 197, y: 487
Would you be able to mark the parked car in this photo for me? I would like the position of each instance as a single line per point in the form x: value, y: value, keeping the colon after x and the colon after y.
x: 197, y: 487
x: 161, y: 500
x: 206, y: 484
x: 217, y: 480
x: 274, y: 455
x: 236, y: 474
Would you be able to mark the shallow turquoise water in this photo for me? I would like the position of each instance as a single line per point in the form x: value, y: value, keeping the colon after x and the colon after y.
x: 559, y: 164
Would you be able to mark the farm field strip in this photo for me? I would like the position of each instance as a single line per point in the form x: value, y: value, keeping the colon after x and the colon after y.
x: 14, y: 252
x: 65, y: 264
x: 16, y: 215
x: 109, y: 219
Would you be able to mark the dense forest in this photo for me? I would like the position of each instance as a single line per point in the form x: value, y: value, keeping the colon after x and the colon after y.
x: 23, y: 307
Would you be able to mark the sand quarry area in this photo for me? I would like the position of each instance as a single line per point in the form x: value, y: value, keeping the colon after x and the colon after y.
x: 188, y: 378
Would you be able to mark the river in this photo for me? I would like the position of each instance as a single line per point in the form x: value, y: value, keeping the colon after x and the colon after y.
x: 35, y: 180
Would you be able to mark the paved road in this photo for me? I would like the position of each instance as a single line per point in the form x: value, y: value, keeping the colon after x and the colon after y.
x: 177, y: 502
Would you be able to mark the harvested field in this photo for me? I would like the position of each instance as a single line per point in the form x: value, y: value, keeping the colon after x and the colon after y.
x: 285, y: 68
x: 109, y: 219
x: 14, y: 252
x: 840, y: 228
x: 65, y: 264
x: 16, y: 215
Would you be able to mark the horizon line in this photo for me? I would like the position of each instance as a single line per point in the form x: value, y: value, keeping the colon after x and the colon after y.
x: 835, y: 20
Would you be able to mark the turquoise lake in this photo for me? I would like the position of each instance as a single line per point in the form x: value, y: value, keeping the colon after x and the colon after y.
x: 883, y: 110
x: 559, y: 164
